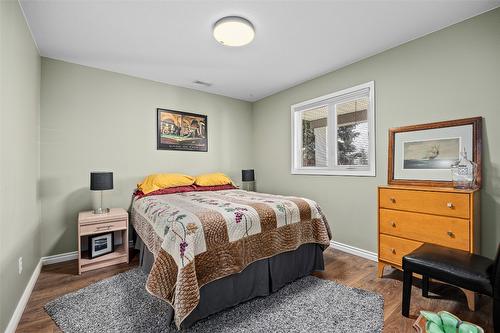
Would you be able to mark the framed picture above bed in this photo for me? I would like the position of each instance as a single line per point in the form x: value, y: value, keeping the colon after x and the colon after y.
x: 177, y: 130
x: 423, y: 154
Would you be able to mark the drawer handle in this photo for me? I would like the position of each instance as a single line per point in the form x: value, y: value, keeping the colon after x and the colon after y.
x: 393, y: 200
x: 393, y: 250
x: 451, y: 234
x: 450, y: 205
x: 393, y: 224
x: 103, y: 227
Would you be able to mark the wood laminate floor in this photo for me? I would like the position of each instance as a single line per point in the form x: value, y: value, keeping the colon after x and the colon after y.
x: 58, y: 279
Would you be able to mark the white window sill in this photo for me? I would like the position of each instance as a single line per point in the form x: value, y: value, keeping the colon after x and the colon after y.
x: 351, y: 172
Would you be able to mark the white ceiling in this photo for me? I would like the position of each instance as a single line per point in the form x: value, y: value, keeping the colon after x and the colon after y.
x: 171, y: 41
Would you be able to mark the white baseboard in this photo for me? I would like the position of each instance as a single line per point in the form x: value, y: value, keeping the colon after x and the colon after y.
x: 354, y: 250
x: 66, y: 256
x: 18, y: 312
x: 59, y: 258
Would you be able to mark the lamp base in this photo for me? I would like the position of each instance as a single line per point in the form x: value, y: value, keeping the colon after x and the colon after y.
x: 248, y: 186
x: 101, y: 210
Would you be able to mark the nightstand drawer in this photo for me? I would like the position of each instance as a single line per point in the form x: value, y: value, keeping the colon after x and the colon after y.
x: 392, y: 249
x: 446, y: 231
x: 103, y: 227
x: 439, y: 203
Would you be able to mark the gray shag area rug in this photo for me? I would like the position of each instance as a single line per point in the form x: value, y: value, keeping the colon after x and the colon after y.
x: 122, y: 304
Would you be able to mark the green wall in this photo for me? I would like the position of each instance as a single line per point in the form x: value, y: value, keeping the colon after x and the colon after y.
x: 453, y: 73
x: 19, y: 155
x: 98, y: 120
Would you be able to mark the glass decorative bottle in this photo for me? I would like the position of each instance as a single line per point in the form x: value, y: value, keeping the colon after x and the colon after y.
x: 463, y: 173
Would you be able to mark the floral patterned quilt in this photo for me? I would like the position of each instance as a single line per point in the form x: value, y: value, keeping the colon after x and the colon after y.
x: 199, y: 237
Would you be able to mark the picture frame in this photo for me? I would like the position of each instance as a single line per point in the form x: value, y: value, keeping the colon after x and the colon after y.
x: 101, y: 244
x: 421, y: 155
x: 181, y: 131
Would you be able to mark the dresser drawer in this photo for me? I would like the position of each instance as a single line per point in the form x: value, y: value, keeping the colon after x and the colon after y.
x: 439, y: 203
x: 441, y: 230
x: 102, y: 227
x: 392, y: 249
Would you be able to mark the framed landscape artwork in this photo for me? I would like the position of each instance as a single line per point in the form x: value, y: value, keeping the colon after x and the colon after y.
x: 423, y: 154
x: 177, y: 130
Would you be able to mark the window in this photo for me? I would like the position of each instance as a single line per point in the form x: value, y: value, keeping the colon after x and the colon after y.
x: 335, y: 134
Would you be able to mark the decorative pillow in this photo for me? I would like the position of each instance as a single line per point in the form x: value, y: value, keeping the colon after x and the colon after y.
x: 215, y: 188
x: 212, y: 179
x: 164, y: 180
x: 170, y: 190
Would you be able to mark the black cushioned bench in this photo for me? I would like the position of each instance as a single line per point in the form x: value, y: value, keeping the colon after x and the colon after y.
x: 459, y: 268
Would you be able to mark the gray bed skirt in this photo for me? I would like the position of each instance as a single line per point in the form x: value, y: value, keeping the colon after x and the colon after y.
x: 260, y: 278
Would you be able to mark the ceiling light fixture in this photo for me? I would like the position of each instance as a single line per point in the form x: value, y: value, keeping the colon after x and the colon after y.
x: 233, y: 31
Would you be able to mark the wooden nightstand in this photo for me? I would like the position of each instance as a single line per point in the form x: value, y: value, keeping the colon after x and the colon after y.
x: 91, y: 224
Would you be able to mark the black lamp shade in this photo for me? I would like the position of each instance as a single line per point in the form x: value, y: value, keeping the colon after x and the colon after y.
x: 101, y: 181
x: 248, y: 175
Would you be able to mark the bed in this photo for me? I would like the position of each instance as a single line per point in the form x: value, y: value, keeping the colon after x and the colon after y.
x: 207, y: 251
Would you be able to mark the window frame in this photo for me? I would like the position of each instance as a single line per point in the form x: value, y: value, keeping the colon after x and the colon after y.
x: 331, y: 101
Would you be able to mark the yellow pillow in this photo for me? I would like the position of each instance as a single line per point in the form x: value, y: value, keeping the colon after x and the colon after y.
x: 164, y: 180
x: 212, y: 179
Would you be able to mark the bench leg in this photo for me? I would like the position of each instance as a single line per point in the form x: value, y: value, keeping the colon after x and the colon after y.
x: 496, y: 315
x: 471, y: 299
x: 425, y: 286
x: 407, y: 282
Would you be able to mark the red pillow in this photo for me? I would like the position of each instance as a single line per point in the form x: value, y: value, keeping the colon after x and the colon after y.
x: 170, y: 190
x: 215, y: 187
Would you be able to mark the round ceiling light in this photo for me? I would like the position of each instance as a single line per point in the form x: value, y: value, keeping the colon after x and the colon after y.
x: 234, y: 31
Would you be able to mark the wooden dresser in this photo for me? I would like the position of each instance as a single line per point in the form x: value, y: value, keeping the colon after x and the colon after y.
x: 409, y: 216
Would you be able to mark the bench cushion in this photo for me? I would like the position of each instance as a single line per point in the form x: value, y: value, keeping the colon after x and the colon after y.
x: 457, y: 267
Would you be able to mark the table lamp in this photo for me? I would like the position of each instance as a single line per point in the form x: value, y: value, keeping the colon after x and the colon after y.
x: 101, y: 181
x: 248, y: 180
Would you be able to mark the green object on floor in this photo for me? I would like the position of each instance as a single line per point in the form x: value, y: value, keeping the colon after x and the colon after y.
x: 466, y: 327
x: 450, y: 322
x: 445, y: 322
x: 432, y: 317
x: 432, y: 327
